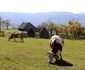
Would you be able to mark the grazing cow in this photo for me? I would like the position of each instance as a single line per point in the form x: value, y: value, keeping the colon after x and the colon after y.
x: 56, y: 43
x: 16, y: 35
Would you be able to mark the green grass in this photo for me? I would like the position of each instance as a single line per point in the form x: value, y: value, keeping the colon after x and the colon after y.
x: 32, y: 54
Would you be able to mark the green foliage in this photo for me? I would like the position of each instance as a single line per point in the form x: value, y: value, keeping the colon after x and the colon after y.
x: 1, y: 33
x: 43, y: 24
x: 72, y: 27
x: 75, y: 28
x: 52, y: 26
x: 70, y: 22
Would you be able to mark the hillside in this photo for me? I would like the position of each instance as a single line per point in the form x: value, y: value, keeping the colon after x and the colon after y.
x: 37, y: 18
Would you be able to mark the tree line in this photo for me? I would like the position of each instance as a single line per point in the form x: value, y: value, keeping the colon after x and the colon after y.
x: 72, y: 28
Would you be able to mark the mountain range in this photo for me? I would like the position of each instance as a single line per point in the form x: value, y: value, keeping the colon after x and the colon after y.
x: 37, y: 18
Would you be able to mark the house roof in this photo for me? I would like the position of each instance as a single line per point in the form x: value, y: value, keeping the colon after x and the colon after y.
x: 43, y: 31
x: 25, y: 26
x: 22, y: 25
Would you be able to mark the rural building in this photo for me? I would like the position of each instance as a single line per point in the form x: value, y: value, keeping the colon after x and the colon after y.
x: 30, y: 29
x: 44, y: 33
x: 25, y: 26
x: 31, y: 33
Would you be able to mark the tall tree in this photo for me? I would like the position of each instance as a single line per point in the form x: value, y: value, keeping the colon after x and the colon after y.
x: 7, y: 23
x: 70, y: 26
x: 43, y: 24
x: 61, y: 29
x: 3, y: 23
x: 70, y: 22
x: 66, y: 29
x: 0, y: 22
x: 51, y: 27
x: 56, y: 28
x: 75, y: 28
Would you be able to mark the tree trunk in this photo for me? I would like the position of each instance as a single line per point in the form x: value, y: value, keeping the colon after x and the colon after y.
x: 51, y: 32
x: 0, y: 25
x: 66, y: 33
x: 56, y: 31
x: 7, y: 27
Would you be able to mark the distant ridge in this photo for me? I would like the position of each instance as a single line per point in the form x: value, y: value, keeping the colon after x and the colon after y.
x: 38, y: 18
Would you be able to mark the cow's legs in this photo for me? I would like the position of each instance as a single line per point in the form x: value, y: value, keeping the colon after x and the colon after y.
x: 21, y: 40
x: 9, y: 39
x: 60, y: 55
x: 56, y: 56
x: 14, y: 40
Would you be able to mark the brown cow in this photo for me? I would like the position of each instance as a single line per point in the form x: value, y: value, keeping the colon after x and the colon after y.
x: 16, y: 35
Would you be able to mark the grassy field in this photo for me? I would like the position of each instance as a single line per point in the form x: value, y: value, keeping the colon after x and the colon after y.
x: 32, y: 55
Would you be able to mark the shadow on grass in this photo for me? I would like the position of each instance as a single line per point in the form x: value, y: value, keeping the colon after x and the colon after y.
x: 62, y: 63
x: 17, y: 41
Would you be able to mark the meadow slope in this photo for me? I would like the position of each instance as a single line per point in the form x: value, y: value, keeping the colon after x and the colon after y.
x: 32, y: 55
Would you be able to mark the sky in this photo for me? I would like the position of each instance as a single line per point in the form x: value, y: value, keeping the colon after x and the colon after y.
x: 38, y: 6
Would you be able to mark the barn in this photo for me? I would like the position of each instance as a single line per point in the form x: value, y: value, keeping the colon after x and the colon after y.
x: 44, y: 33
x: 31, y: 29
x: 31, y: 33
x: 25, y: 26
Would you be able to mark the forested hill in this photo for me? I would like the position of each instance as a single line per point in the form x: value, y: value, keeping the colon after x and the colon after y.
x: 37, y: 18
